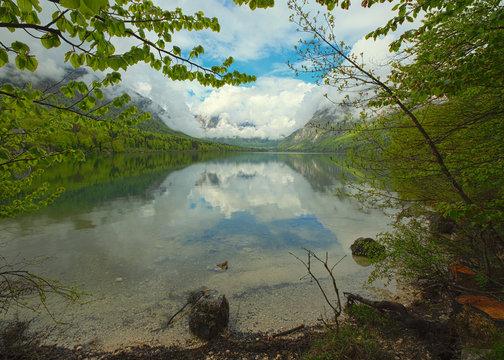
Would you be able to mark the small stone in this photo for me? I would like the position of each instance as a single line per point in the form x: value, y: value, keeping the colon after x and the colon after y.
x: 78, y: 348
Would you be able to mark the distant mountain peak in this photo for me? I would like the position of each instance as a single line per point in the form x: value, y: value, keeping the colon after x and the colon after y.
x: 318, y: 134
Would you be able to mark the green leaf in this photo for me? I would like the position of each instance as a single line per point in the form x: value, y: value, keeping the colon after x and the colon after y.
x: 4, y: 57
x: 99, y: 94
x: 31, y: 63
x: 96, y: 5
x: 24, y: 5
x: 50, y: 40
x: 75, y: 60
x: 20, y: 47
x: 70, y: 4
x: 8, y: 88
x: 82, y: 88
x: 35, y: 4
x: 20, y: 62
x: 46, y: 41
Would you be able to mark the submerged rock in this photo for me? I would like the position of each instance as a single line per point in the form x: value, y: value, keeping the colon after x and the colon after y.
x: 209, y: 317
x: 361, y: 260
x: 366, y: 247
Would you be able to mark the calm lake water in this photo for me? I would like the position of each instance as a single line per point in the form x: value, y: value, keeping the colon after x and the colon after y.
x: 141, y: 232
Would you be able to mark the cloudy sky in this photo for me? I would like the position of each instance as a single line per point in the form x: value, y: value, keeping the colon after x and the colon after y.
x: 261, y: 42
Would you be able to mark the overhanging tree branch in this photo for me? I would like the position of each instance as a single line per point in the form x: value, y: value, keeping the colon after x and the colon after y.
x: 308, y: 26
x: 44, y: 28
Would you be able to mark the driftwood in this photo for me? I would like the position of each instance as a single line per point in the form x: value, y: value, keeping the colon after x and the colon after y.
x: 400, y: 313
x: 290, y: 331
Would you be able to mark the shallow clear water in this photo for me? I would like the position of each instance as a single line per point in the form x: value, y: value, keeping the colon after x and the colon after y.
x: 140, y: 241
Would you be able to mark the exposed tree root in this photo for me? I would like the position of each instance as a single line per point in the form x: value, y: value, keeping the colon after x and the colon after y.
x: 399, y: 312
x: 440, y: 335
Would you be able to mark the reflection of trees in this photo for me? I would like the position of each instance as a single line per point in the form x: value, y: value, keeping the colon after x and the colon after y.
x: 213, y: 179
x: 242, y: 175
x: 208, y: 178
x: 319, y: 170
x: 78, y: 177
x: 102, y: 178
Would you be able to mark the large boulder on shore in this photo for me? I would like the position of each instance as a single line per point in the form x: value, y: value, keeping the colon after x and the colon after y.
x: 366, y: 247
x: 209, y: 317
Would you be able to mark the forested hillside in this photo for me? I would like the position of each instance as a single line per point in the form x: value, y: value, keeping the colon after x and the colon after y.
x: 150, y: 133
x: 259, y: 143
x: 321, y: 134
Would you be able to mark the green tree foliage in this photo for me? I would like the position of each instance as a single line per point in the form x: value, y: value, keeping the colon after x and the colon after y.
x: 89, y: 30
x: 433, y: 126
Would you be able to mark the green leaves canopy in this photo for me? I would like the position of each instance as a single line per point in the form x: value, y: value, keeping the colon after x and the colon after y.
x: 89, y: 28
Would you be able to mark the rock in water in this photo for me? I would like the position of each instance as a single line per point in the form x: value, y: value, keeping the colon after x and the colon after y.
x: 366, y: 247
x: 209, y: 317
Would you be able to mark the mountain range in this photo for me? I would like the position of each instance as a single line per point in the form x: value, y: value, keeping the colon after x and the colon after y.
x: 318, y: 135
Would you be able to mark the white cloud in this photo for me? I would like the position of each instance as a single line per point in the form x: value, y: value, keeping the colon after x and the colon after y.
x: 47, y: 69
x: 275, y: 106
x: 144, y: 88
x: 356, y: 22
x: 246, y: 35
x: 375, y: 54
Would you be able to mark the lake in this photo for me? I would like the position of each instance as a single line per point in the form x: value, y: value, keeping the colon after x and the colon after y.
x: 140, y: 232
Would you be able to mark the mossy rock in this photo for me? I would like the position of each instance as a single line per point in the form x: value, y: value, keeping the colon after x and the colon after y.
x: 366, y: 247
x: 209, y: 317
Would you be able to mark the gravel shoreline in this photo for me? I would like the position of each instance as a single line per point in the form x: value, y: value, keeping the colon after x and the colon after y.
x: 262, y: 346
